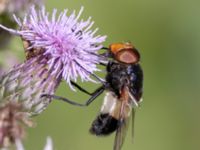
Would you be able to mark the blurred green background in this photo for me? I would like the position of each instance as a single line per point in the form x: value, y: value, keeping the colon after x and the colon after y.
x: 167, y: 33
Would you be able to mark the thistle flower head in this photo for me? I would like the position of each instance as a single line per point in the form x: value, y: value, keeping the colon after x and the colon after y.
x: 70, y: 45
x: 11, y: 123
x: 62, y: 48
x: 57, y: 47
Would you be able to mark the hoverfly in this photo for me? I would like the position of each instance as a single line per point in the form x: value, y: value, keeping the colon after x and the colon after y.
x: 124, y: 87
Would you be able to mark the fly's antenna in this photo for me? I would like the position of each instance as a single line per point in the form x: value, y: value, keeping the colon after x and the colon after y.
x: 105, y: 48
x: 107, y: 53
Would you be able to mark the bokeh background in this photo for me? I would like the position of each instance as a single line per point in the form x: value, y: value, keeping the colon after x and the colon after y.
x: 167, y: 33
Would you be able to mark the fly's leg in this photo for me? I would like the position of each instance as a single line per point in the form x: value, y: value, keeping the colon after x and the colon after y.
x: 94, y: 95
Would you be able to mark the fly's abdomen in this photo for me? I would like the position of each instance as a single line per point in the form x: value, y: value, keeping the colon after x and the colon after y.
x: 104, y: 124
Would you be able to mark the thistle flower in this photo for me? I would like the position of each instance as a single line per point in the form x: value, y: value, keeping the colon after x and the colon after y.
x: 56, y: 49
x: 69, y: 44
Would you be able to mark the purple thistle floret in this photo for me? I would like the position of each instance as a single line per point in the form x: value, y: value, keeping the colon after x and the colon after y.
x: 70, y: 45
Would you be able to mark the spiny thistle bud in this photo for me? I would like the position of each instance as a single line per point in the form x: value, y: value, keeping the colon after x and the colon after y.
x: 12, y: 121
x: 26, y: 83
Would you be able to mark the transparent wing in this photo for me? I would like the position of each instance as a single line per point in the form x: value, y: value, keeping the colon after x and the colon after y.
x: 121, y: 134
x: 134, y: 104
x: 124, y: 117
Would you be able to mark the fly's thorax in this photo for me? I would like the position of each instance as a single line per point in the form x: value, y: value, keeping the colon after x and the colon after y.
x: 135, y: 74
x: 120, y: 75
x: 117, y: 77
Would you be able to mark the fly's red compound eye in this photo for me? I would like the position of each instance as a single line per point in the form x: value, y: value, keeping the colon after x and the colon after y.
x: 128, y: 56
x: 124, y: 52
